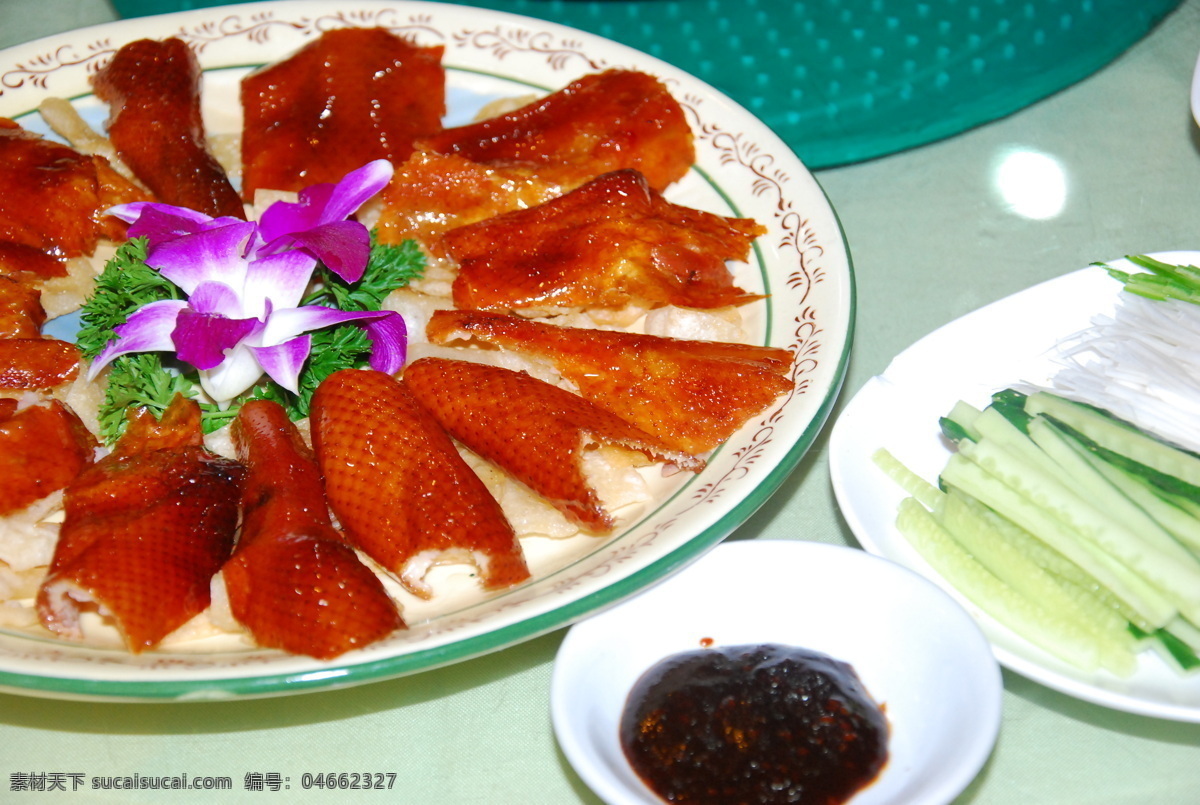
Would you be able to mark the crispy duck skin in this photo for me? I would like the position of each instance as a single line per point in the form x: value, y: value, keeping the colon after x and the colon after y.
x: 690, y: 394
x: 352, y: 96
x: 27, y: 360
x: 48, y: 194
x: 43, y: 447
x: 152, y: 89
x: 21, y: 311
x: 599, y: 123
x: 609, y: 244
x: 434, y: 193
x: 399, y: 488
x: 293, y: 582
x: 145, y: 530
x: 53, y: 201
x: 21, y: 259
x: 534, y: 431
x: 37, y: 363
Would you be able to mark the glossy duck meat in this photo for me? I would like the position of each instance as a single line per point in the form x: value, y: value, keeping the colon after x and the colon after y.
x: 611, y: 243
x: 146, y: 528
x: 52, y: 202
x: 37, y: 363
x: 690, y: 394
x: 600, y: 123
x: 21, y: 311
x: 534, y: 431
x: 293, y: 582
x: 27, y: 360
x: 352, y: 96
x: 431, y: 194
x: 399, y: 488
x: 17, y: 259
x: 152, y: 89
x: 43, y: 447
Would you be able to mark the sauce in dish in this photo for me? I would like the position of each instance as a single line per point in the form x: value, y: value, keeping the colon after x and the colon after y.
x: 754, y: 724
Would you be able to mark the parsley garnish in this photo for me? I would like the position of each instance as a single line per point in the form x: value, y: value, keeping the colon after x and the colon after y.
x: 125, y: 285
x: 138, y: 380
x: 144, y: 380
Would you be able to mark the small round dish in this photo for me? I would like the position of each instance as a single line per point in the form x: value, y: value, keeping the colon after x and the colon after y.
x: 919, y: 654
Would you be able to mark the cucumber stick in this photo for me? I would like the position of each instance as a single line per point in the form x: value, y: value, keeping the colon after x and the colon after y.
x: 1008, y: 584
x: 1151, y: 606
x: 1118, y: 436
x: 959, y: 424
x: 1094, y: 485
x: 928, y: 494
x: 1045, y: 629
x: 1068, y: 525
x: 1153, y: 561
x: 1174, y: 514
x: 1108, y: 631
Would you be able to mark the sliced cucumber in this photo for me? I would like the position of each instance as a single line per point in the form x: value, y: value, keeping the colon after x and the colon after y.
x: 1052, y: 633
x: 962, y: 519
x: 1151, y: 606
x: 1178, y: 581
x: 1120, y: 437
x: 1171, y: 512
x: 929, y: 495
x: 959, y: 424
x: 1094, y: 485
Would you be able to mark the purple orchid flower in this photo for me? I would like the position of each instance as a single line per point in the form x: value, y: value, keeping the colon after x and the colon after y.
x: 245, y: 281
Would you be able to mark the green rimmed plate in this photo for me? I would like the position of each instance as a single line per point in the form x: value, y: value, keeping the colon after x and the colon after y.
x: 742, y: 169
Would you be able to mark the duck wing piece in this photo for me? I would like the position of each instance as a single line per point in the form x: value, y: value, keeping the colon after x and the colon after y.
x: 611, y: 243
x: 146, y: 528
x: 534, y: 431
x: 153, y: 91
x: 352, y: 96
x: 690, y: 394
x: 600, y: 123
x: 293, y: 582
x: 399, y: 488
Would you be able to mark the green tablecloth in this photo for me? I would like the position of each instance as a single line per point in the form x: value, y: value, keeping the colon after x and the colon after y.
x: 932, y: 237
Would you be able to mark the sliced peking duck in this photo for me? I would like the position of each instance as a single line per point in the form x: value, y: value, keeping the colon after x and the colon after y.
x: 432, y: 193
x: 145, y: 529
x: 29, y: 361
x: 52, y: 203
x: 352, y: 96
x: 43, y: 448
x: 399, y: 488
x: 293, y: 581
x: 611, y: 243
x: 602, y: 122
x: 536, y: 432
x: 152, y: 89
x: 690, y: 394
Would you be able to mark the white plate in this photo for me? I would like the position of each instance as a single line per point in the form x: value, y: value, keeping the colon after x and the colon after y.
x: 917, y: 653
x: 1005, y: 343
x: 742, y: 169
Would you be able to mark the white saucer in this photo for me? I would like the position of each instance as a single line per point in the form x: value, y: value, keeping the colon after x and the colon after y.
x: 919, y: 654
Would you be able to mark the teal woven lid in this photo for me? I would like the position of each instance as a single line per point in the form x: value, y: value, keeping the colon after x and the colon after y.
x: 847, y: 80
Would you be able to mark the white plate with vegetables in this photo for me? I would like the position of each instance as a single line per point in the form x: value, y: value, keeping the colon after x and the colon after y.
x: 1016, y: 342
x: 742, y: 168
